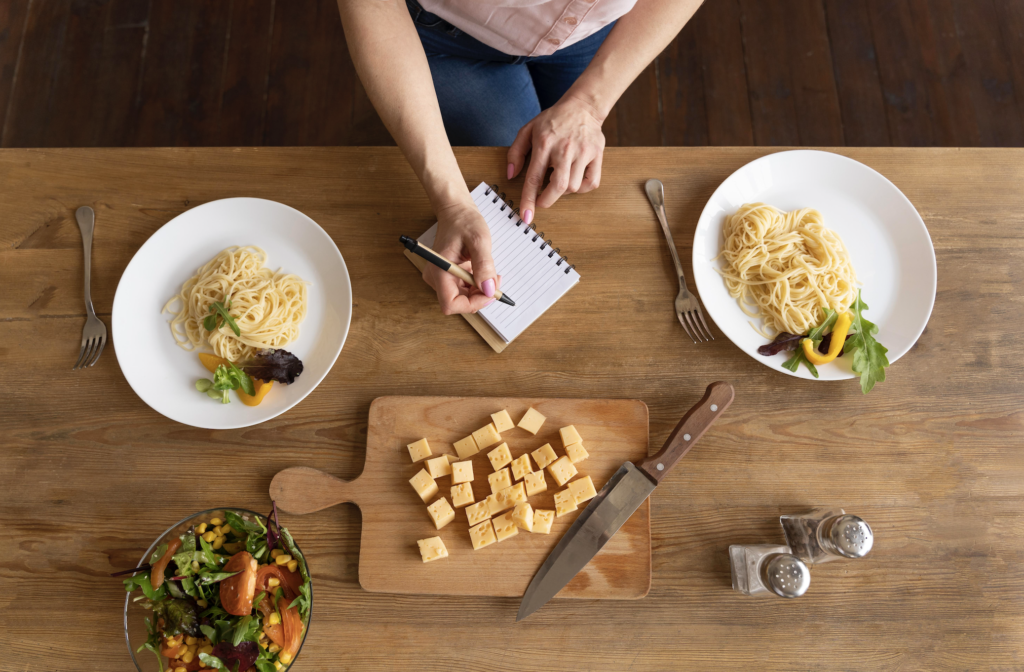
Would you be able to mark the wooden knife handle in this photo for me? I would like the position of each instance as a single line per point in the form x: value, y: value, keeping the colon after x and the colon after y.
x: 306, y: 490
x: 689, y: 430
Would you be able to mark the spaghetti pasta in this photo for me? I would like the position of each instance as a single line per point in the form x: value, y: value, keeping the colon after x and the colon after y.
x: 785, y: 267
x: 268, y: 307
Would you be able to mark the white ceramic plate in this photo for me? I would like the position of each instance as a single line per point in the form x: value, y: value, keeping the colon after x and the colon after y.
x: 887, y: 239
x: 162, y: 373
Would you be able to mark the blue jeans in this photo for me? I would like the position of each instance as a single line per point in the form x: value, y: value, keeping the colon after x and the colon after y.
x: 486, y: 95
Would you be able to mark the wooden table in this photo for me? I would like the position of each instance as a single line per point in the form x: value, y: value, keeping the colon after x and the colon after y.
x: 931, y: 458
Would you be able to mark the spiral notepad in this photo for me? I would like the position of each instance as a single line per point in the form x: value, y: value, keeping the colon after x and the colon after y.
x: 533, y: 272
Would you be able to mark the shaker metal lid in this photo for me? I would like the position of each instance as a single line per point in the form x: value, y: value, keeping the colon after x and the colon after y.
x: 851, y: 536
x: 787, y: 575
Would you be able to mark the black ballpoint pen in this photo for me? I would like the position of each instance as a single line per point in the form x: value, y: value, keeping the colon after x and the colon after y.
x: 436, y: 259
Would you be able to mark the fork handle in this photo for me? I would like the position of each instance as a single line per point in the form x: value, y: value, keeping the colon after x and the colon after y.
x: 87, y: 224
x: 659, y: 210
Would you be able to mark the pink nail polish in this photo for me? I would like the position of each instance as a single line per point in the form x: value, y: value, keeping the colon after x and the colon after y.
x: 527, y: 216
x: 511, y: 170
x: 488, y: 288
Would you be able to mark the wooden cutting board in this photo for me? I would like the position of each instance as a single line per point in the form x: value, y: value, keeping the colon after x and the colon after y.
x: 394, y: 517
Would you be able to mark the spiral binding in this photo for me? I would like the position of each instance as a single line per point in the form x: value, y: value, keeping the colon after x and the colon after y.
x: 514, y: 212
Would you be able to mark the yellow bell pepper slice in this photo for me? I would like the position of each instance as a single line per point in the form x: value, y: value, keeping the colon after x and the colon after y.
x: 261, y: 391
x: 843, y: 322
x: 211, y: 362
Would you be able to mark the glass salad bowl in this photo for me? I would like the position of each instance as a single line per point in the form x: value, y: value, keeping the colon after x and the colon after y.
x: 136, y: 630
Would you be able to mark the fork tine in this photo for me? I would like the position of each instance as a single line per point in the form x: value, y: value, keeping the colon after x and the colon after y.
x: 693, y: 325
x: 685, y: 328
x: 81, y: 353
x: 88, y: 354
x: 700, y: 314
x: 99, y: 350
x: 696, y: 324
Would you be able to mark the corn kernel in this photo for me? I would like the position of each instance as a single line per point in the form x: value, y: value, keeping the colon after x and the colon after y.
x: 273, y: 583
x: 208, y: 649
x: 273, y: 648
x: 217, y: 543
x: 191, y: 640
x: 180, y: 669
x: 209, y: 536
x: 278, y: 665
x: 201, y: 528
x: 203, y: 603
x: 187, y: 658
x: 276, y: 552
x: 262, y: 644
x: 285, y: 657
x: 217, y: 530
x: 226, y: 529
x: 195, y: 565
x: 263, y: 635
x: 293, y: 565
x: 282, y: 559
x: 274, y: 619
x: 216, y: 521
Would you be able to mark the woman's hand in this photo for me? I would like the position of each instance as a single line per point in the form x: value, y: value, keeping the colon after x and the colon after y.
x: 463, y: 237
x: 567, y: 137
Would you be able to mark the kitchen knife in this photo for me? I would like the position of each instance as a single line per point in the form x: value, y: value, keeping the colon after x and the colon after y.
x: 619, y: 498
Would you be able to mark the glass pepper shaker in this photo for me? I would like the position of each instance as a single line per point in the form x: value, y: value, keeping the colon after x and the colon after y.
x: 767, y: 568
x: 826, y: 534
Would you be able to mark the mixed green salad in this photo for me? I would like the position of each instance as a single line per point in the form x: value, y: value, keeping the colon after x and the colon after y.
x: 228, y: 594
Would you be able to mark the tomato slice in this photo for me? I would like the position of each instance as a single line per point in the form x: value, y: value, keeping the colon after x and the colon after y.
x: 292, y: 625
x: 237, y: 592
x: 290, y: 581
x: 156, y: 574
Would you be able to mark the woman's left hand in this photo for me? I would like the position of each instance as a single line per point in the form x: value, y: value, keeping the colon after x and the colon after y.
x: 566, y: 137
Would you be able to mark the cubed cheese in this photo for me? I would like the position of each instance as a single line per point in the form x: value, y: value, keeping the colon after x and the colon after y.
x: 499, y: 480
x: 535, y: 483
x: 562, y: 470
x: 439, y: 466
x: 532, y: 421
x: 441, y: 513
x: 502, y: 421
x: 424, y: 485
x: 521, y: 466
x: 462, y: 472
x: 432, y: 549
x: 482, y: 535
x: 511, y: 496
x: 478, y: 513
x: 486, y: 436
x: 419, y: 450
x: 462, y: 494
x: 500, y: 457
x: 582, y: 489
x: 576, y: 452
x: 544, y: 455
x: 569, y: 435
x: 466, y: 447
x: 523, y: 515
x: 564, y: 503
x: 505, y: 527
x: 542, y: 519
x: 495, y: 506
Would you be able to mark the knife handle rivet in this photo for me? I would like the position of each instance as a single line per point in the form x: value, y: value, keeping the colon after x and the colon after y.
x: 661, y: 467
x: 686, y: 437
x: 714, y: 407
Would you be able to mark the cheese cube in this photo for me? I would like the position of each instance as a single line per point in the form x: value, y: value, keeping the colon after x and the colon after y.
x: 502, y: 421
x: 521, y: 466
x: 424, y: 485
x: 441, y: 513
x: 462, y: 472
x: 562, y: 470
x: 544, y: 455
x: 439, y: 466
x: 500, y: 457
x: 532, y: 420
x: 419, y: 450
x: 482, y: 535
x: 511, y: 496
x: 542, y: 519
x: 486, y: 436
x: 564, y: 503
x: 535, y: 483
x: 569, y: 435
x: 478, y: 513
x: 462, y: 494
x: 432, y: 549
x: 495, y: 506
x: 582, y: 489
x: 499, y: 480
x: 505, y: 527
x: 523, y: 515
x: 576, y: 452
x: 466, y: 447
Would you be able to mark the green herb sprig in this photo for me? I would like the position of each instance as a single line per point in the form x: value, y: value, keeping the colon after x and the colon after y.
x: 869, y: 358
x: 218, y: 309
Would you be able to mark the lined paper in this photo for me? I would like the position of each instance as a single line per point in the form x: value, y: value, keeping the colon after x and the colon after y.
x: 532, y: 273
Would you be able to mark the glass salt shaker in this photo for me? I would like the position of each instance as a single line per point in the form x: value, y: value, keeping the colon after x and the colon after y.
x: 767, y: 568
x: 827, y: 534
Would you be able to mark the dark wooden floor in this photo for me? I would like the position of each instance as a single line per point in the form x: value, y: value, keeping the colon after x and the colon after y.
x: 277, y: 72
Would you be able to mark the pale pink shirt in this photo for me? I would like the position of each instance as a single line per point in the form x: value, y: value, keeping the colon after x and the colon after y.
x: 529, y: 27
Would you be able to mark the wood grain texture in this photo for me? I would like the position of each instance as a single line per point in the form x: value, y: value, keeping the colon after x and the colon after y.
x: 930, y: 458
x: 394, y: 517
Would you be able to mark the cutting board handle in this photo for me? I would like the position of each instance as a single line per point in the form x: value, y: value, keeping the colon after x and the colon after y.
x: 689, y: 430
x: 306, y: 490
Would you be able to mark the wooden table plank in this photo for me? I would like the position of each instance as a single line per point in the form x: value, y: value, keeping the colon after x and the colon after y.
x: 930, y: 458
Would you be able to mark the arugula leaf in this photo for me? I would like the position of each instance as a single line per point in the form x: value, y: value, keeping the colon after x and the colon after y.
x: 217, y: 309
x: 158, y: 553
x: 305, y: 597
x: 214, y: 577
x: 869, y: 358
x: 210, y: 559
x: 147, y: 589
x: 793, y: 363
x: 244, y: 381
x: 818, y: 332
x: 256, y: 601
x: 240, y: 630
x: 210, y: 633
x: 212, y: 662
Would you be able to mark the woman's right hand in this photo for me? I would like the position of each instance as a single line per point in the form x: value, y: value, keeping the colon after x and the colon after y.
x: 463, y: 238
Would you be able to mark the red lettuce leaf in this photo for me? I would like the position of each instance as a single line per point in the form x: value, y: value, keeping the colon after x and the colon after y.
x: 277, y: 365
x: 245, y: 654
x: 784, y: 341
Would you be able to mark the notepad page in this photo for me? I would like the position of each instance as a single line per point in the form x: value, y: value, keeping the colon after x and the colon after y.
x: 532, y: 273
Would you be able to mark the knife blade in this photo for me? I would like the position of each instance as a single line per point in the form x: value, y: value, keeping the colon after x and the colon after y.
x: 618, y: 499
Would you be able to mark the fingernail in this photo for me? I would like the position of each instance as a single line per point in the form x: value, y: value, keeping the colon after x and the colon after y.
x: 527, y: 216
x: 488, y: 287
x: 511, y: 170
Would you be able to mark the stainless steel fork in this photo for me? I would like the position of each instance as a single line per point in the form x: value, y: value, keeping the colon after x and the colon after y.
x: 687, y: 306
x: 94, y: 334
